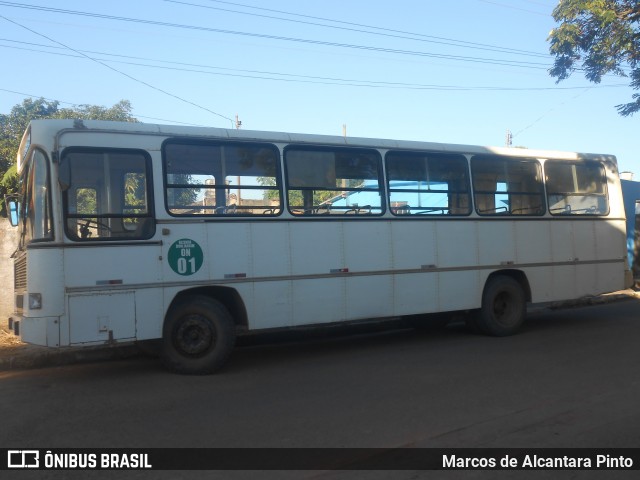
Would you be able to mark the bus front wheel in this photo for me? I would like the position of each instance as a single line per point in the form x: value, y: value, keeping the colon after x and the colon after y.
x: 503, y: 307
x: 198, y: 336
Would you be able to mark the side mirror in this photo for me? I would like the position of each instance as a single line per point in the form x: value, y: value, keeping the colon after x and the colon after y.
x: 13, y: 207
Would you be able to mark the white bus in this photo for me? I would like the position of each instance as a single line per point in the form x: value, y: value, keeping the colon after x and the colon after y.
x: 132, y: 232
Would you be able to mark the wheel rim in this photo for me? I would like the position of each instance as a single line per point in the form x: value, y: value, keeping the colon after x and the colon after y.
x: 503, y: 308
x: 194, y: 336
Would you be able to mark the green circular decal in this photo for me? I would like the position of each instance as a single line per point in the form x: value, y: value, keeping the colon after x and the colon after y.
x: 185, y: 257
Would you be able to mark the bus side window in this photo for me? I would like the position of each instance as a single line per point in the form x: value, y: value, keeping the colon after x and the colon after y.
x: 333, y: 181
x: 507, y: 186
x: 576, y: 188
x: 428, y: 184
x: 107, y: 195
x: 221, y: 178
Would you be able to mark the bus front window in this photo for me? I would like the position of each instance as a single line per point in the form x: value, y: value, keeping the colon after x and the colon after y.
x: 37, y: 201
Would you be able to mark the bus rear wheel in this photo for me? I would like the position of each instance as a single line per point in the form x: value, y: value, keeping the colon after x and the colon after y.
x: 198, y: 336
x: 503, y: 307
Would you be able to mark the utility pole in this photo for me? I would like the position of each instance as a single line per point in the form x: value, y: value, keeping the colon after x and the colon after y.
x: 509, y: 138
x: 238, y: 122
x: 344, y: 130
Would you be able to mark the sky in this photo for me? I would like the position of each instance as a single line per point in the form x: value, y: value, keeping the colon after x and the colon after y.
x: 462, y: 72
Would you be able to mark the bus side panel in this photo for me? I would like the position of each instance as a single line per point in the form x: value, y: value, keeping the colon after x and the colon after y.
x: 562, y: 253
x: 268, y: 304
x: 106, y: 265
x: 457, y: 244
x: 584, y: 240
x: 369, y: 297
x: 321, y: 300
x: 562, y: 241
x: 598, y: 240
x: 461, y: 290
x: 541, y: 282
x: 172, y: 252
x: 563, y: 282
x: 255, y: 251
x: 413, y: 247
x: 610, y: 277
x: 496, y: 242
x: 610, y: 243
x: 271, y: 255
x: 228, y: 251
x: 367, y: 248
x: 532, y: 242
x: 458, y: 248
x: 586, y: 279
x: 416, y: 293
x: 92, y: 272
x: 413, y: 244
x: 610, y: 239
x: 99, y: 318
x: 149, y: 310
x: 317, y: 249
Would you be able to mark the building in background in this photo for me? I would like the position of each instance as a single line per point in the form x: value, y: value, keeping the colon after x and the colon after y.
x: 631, y: 197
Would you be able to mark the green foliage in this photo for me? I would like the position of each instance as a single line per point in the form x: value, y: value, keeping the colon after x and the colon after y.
x: 598, y: 37
x: 134, y: 190
x: 13, y: 125
x: 86, y: 200
x: 296, y: 197
x: 120, y: 112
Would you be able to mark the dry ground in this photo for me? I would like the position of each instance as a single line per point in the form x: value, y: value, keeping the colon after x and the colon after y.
x: 8, y: 339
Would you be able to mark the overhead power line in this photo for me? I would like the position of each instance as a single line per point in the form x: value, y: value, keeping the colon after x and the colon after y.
x: 360, y: 28
x: 142, y: 82
x: 273, y: 76
x: 489, y: 61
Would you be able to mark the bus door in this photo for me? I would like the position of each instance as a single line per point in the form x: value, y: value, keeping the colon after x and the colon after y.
x: 111, y: 258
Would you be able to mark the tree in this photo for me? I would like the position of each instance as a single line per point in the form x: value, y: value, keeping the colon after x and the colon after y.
x: 13, y: 125
x: 599, y: 37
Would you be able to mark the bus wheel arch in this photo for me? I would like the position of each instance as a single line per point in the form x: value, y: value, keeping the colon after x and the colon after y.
x: 504, y: 300
x: 228, y: 297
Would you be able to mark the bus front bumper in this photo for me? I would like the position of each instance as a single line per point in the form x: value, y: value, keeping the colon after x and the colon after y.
x: 43, y: 331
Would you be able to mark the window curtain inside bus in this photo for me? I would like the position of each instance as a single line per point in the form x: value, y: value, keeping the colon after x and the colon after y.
x: 507, y: 186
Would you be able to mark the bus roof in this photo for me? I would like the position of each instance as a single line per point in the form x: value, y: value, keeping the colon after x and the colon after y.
x: 53, y: 128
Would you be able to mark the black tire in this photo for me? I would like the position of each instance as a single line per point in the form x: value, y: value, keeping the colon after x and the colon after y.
x: 503, y: 308
x: 198, y: 336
